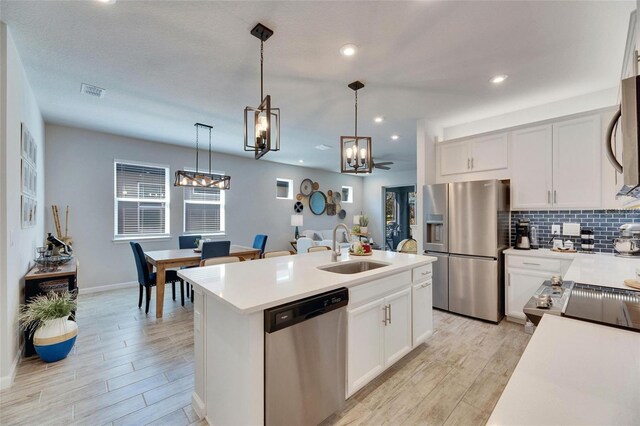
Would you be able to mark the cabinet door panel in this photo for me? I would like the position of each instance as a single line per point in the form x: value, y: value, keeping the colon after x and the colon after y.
x: 422, y: 312
x: 489, y: 153
x: 365, y: 351
x: 531, y: 176
x: 521, y: 284
x: 454, y: 158
x: 397, y: 333
x: 576, y: 163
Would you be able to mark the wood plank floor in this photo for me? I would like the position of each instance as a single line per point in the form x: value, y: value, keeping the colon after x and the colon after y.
x: 128, y: 368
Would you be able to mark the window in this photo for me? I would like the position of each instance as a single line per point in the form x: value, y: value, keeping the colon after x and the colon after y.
x: 347, y: 194
x: 141, y: 200
x: 204, y: 211
x: 284, y: 189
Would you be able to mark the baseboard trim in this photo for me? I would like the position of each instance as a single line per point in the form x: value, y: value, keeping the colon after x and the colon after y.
x: 7, y: 381
x: 198, y: 406
x: 100, y: 289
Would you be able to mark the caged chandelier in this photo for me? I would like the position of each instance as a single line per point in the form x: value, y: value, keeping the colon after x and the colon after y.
x: 355, y: 151
x: 262, y: 124
x: 202, y: 179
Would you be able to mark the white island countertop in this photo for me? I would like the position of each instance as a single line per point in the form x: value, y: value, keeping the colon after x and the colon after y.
x: 574, y: 373
x: 256, y: 285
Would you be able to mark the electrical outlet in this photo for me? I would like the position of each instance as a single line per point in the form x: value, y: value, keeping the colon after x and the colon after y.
x: 555, y: 229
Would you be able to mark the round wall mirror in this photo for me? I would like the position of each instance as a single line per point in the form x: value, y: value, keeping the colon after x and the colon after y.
x: 317, y: 202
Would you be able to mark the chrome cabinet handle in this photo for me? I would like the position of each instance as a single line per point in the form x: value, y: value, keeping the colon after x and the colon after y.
x: 426, y: 273
x: 384, y: 321
x: 555, y: 197
x: 471, y: 163
x: 389, y: 306
x: 468, y: 163
x: 530, y: 263
x: 548, y: 197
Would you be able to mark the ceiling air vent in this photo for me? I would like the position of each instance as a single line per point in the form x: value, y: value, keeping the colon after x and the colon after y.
x: 90, y: 90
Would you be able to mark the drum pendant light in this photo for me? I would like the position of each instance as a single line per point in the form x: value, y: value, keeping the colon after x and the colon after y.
x: 202, y: 179
x: 355, y: 151
x: 262, y: 124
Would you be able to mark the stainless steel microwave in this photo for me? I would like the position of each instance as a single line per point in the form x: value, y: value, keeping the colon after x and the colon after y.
x: 629, y: 121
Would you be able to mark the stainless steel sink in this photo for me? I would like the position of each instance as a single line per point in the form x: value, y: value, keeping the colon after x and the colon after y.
x: 353, y: 267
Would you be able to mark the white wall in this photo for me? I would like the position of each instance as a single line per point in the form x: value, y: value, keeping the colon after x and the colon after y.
x: 374, y: 198
x: 18, y: 245
x: 79, y: 167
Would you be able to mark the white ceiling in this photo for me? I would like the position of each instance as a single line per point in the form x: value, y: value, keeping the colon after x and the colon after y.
x: 167, y: 65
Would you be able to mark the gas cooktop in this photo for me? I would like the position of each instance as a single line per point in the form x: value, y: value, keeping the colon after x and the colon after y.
x: 604, y: 305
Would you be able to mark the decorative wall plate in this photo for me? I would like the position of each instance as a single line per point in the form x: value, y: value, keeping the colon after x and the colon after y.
x: 298, y: 207
x: 306, y: 187
x: 331, y: 209
x: 329, y: 193
x: 316, y: 186
x: 342, y: 214
x: 318, y: 203
x: 299, y: 197
x: 337, y: 197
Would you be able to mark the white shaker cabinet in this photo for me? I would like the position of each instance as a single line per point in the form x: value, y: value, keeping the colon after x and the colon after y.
x: 422, y: 311
x: 489, y: 152
x: 521, y: 284
x: 576, y: 163
x: 454, y: 158
x: 397, y: 332
x: 365, y: 344
x: 531, y: 174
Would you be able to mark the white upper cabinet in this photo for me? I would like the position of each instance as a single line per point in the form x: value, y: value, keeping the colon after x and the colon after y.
x: 576, y: 163
x: 489, y: 153
x: 531, y: 175
x: 454, y: 158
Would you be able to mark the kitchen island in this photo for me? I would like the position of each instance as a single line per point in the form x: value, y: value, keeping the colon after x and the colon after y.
x: 229, y: 336
x: 574, y: 373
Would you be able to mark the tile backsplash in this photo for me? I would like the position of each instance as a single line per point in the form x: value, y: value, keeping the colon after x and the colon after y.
x: 604, y: 224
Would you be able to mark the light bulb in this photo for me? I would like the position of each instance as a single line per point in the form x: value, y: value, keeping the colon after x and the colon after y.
x: 363, y: 153
x: 204, y: 181
x: 262, y: 123
x: 183, y: 181
x: 349, y: 153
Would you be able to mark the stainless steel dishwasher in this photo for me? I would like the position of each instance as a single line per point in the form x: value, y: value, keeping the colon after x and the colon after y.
x: 305, y: 359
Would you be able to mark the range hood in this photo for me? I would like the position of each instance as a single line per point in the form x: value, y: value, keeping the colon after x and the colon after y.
x: 627, y: 117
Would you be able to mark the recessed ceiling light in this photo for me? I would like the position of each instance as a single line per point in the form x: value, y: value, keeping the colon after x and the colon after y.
x: 106, y: 1
x: 499, y: 78
x: 378, y: 119
x: 91, y: 90
x: 300, y: 161
x: 348, y: 50
x: 395, y: 137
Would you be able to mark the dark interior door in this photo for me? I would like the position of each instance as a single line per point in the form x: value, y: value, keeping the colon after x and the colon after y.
x: 399, y: 214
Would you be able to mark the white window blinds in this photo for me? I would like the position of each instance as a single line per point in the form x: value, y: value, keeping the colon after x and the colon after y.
x: 203, y: 211
x: 141, y: 207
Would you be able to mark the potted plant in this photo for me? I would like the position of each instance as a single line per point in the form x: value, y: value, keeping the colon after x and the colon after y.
x: 355, y: 229
x: 364, y: 223
x: 46, y: 317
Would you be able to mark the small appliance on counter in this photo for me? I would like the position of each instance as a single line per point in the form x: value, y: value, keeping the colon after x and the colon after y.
x: 587, y: 240
x: 628, y: 243
x: 523, y: 235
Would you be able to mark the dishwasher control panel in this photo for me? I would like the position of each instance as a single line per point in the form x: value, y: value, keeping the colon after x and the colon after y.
x: 296, y: 312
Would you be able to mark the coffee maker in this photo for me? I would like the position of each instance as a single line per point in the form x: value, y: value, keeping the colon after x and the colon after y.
x: 523, y: 235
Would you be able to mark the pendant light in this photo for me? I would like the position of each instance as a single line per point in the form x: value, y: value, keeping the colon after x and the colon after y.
x: 202, y: 179
x: 262, y: 124
x: 355, y: 151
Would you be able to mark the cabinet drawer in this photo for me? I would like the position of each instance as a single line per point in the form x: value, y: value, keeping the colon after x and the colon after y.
x: 421, y: 273
x: 378, y: 288
x: 535, y: 263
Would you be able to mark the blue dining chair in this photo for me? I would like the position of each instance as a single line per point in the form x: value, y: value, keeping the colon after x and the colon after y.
x: 215, y: 249
x: 260, y: 243
x: 187, y: 242
x: 147, y: 279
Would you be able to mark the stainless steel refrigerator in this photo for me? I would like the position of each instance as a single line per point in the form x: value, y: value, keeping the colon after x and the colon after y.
x: 467, y: 228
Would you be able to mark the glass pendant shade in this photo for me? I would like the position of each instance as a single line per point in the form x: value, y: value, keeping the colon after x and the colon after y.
x: 262, y: 124
x: 201, y: 179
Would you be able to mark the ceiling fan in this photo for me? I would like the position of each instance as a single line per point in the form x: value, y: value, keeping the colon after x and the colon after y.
x: 383, y: 165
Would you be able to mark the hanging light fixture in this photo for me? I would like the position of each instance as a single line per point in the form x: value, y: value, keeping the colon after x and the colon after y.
x: 355, y: 151
x: 198, y: 178
x: 262, y: 124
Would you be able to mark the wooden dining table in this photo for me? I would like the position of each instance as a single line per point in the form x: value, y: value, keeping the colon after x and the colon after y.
x: 168, y: 259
